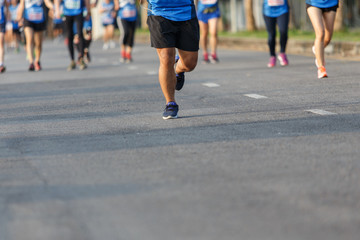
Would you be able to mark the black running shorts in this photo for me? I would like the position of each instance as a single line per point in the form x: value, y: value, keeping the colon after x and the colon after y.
x: 3, y: 27
x: 37, y: 27
x: 165, y: 33
x: 334, y: 8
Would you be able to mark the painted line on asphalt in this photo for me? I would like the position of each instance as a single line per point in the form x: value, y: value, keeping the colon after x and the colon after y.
x: 132, y: 67
x: 320, y: 112
x: 256, y: 96
x: 211, y: 85
x: 152, y: 72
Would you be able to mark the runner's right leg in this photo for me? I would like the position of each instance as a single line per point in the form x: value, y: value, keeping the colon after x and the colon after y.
x: 213, y: 26
x: 29, y: 35
x: 38, y: 37
x: 204, y: 31
x: 2, y: 52
x: 316, y: 18
x: 69, y: 22
x: 167, y: 77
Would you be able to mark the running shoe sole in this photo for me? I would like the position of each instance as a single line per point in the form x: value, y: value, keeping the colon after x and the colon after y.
x: 170, y: 117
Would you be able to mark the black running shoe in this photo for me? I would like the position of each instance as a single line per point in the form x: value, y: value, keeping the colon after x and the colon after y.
x: 31, y: 67
x: 2, y: 68
x: 180, y: 80
x: 171, y: 111
x: 180, y: 77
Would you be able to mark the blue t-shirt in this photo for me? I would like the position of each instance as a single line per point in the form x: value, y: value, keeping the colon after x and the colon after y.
x: 275, y: 8
x: 13, y: 16
x: 106, y: 17
x: 34, y: 11
x: 175, y: 10
x: 323, y: 3
x: 2, y: 12
x: 73, y: 7
x: 203, y: 4
x: 127, y: 10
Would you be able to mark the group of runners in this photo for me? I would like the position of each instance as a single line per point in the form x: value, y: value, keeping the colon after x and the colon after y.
x: 72, y: 16
x: 175, y: 26
x: 322, y: 15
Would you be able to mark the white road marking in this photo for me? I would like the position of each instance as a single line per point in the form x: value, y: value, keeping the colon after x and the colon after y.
x: 211, y: 84
x: 152, y: 72
x: 132, y: 67
x: 320, y: 112
x: 256, y: 96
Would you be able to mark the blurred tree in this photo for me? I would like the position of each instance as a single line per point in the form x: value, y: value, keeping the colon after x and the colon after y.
x: 339, y: 20
x: 249, y: 12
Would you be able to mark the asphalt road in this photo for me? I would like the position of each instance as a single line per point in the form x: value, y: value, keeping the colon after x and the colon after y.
x: 257, y: 153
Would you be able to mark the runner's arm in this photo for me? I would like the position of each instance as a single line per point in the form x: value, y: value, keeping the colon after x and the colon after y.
x: 57, y: 8
x: 116, y: 5
x: 49, y: 4
x: 20, y: 10
x: 92, y: 5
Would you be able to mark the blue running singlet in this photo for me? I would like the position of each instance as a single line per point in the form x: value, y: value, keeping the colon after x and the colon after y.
x: 275, y: 8
x: 127, y: 10
x: 2, y: 11
x: 34, y: 11
x: 175, y: 10
x: 106, y: 17
x: 322, y: 3
x: 13, y: 15
x: 73, y: 7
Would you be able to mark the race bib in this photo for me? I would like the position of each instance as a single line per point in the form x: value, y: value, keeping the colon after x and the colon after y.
x: 128, y: 13
x: 72, y: 4
x: 208, y: 2
x: 35, y: 15
x: 275, y: 3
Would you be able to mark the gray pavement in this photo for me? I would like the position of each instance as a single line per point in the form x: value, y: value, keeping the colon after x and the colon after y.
x: 258, y: 154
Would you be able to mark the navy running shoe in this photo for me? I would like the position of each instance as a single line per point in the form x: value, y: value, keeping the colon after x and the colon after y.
x: 180, y: 77
x: 171, y: 111
x: 180, y: 80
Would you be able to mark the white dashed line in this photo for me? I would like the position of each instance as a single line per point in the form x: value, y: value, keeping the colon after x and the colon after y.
x: 256, y: 96
x: 320, y: 112
x: 132, y: 67
x: 211, y: 84
x: 152, y: 72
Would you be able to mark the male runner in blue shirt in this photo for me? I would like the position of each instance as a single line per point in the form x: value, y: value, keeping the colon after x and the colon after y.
x: 173, y: 24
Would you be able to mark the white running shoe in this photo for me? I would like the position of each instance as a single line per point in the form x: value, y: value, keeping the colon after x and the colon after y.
x: 112, y: 44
